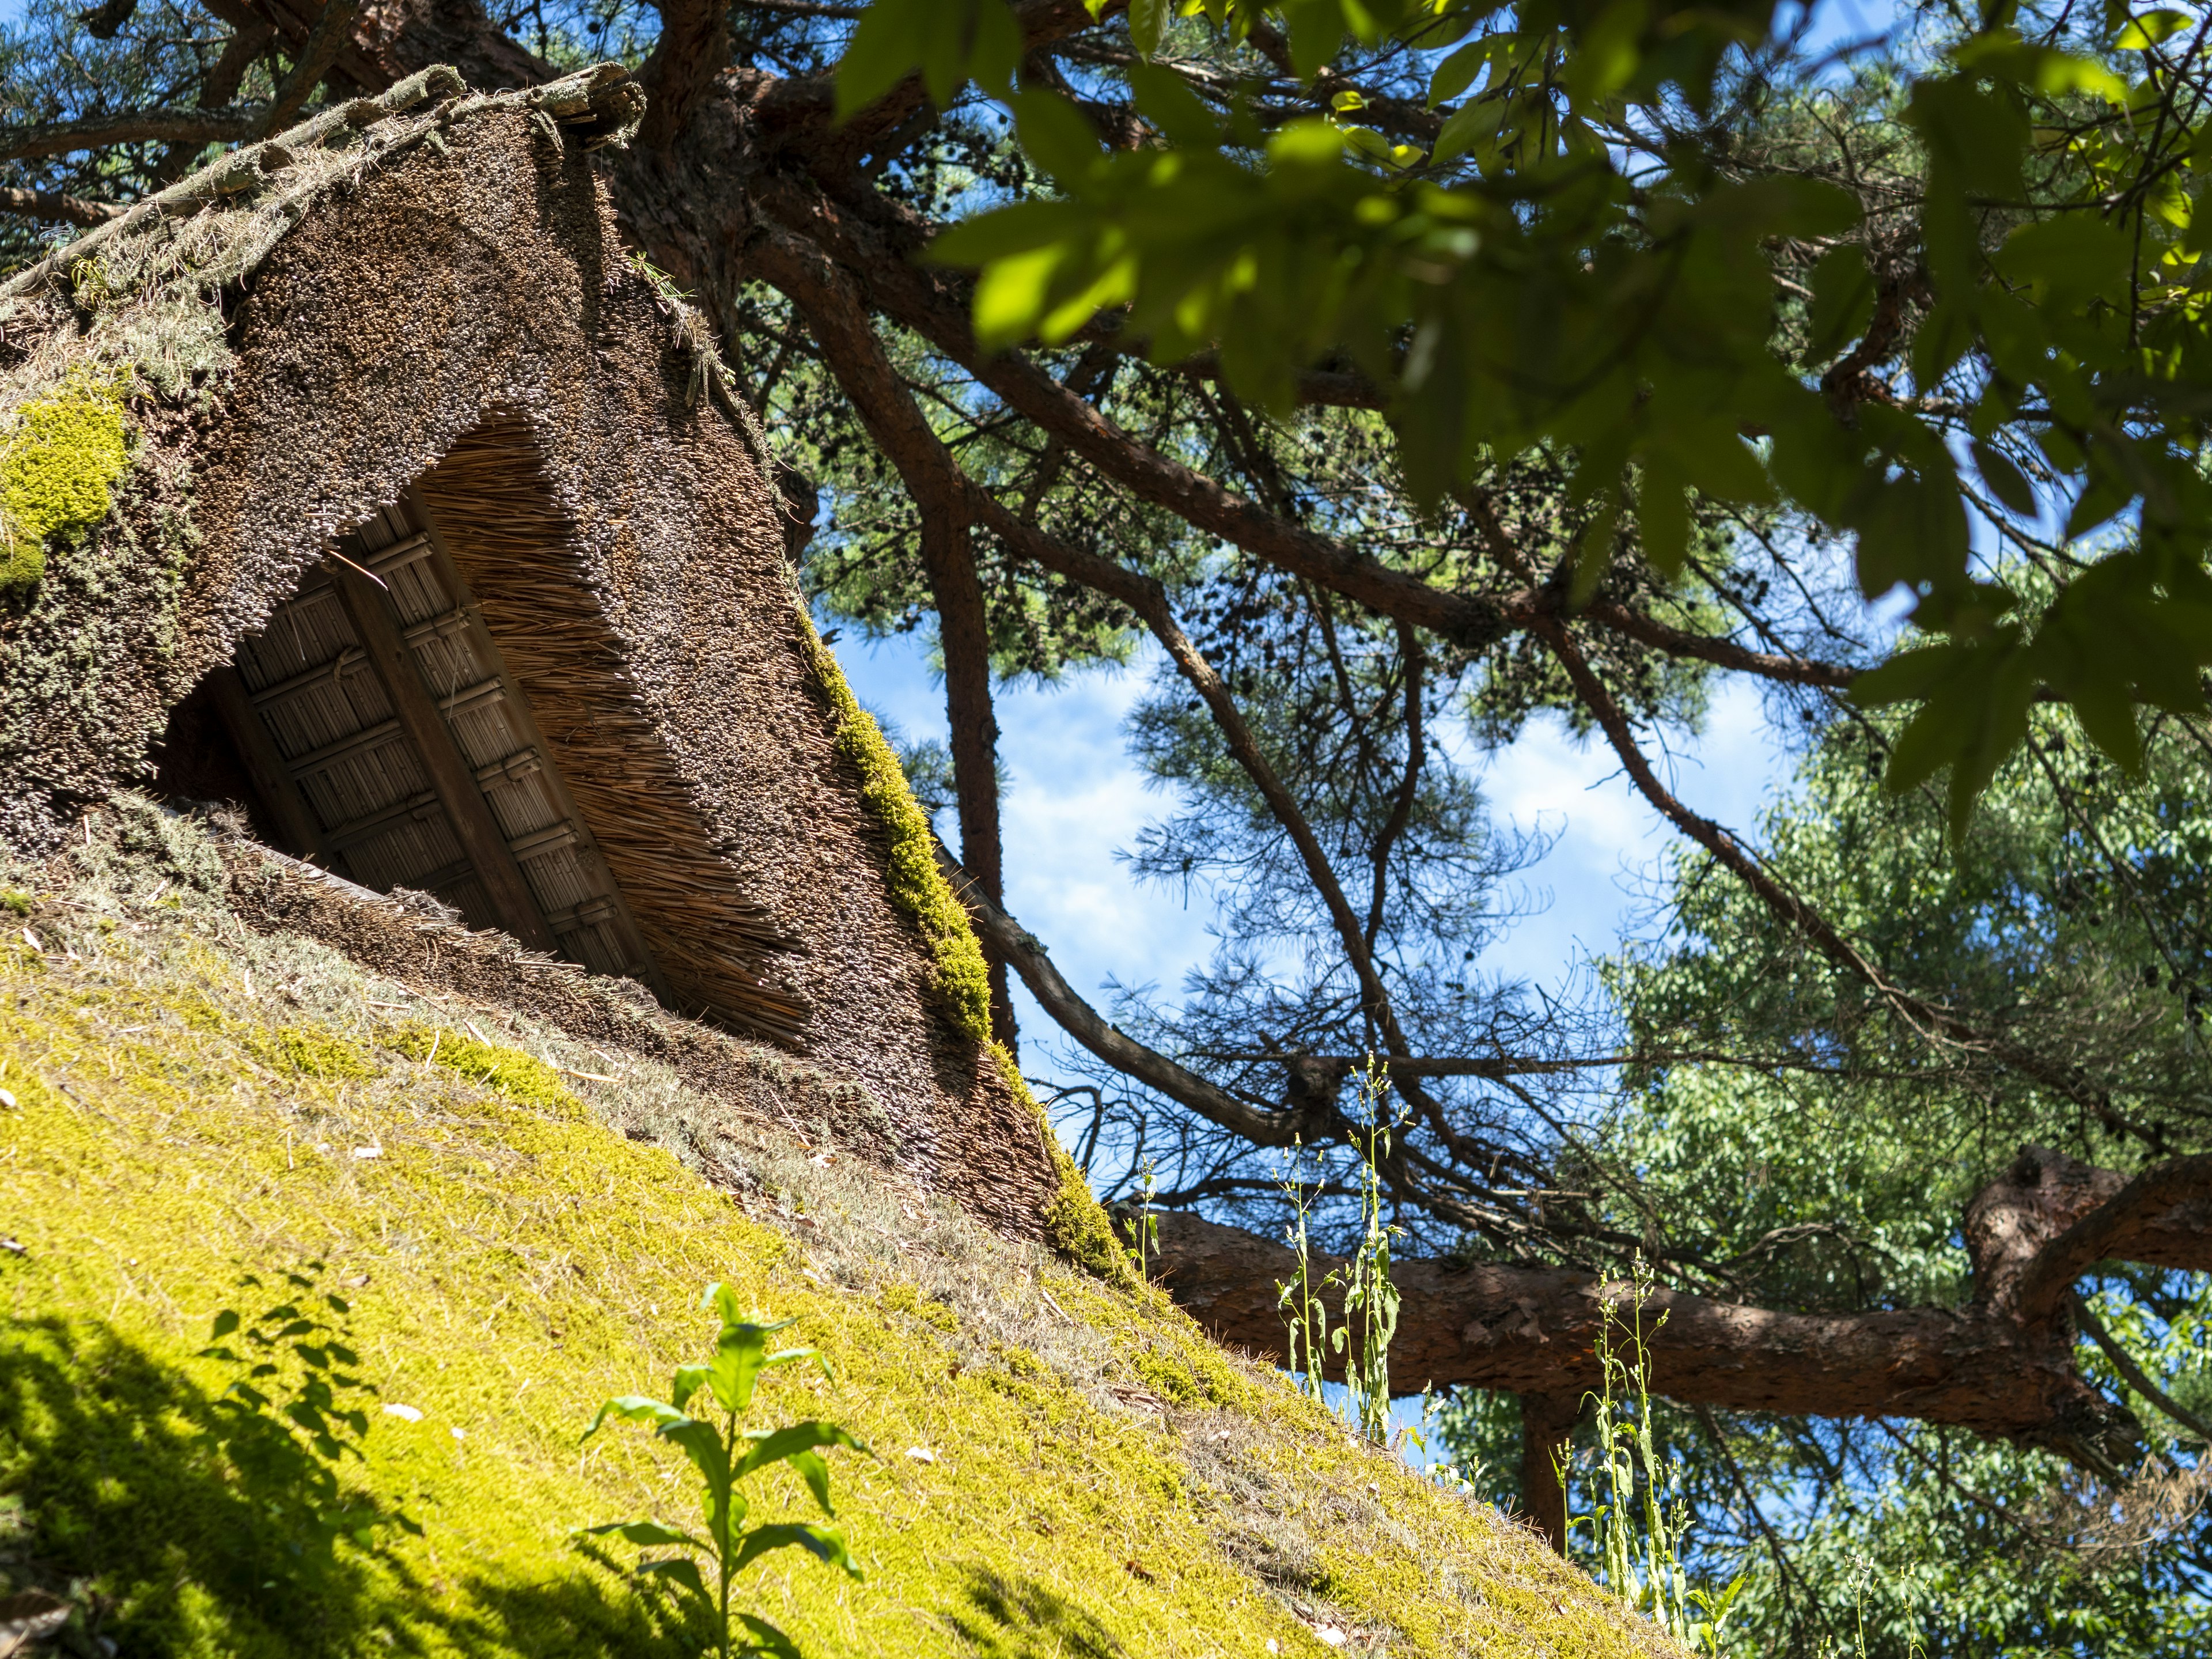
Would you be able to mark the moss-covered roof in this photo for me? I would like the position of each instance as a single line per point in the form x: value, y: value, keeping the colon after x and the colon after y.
x: 1062, y: 1467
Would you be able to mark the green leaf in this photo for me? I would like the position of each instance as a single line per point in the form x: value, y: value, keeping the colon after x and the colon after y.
x: 687, y: 1382
x: 1593, y: 555
x: 2006, y: 481
x: 680, y: 1569
x: 825, y: 1544
x: 796, y: 1443
x: 647, y: 1533
x: 741, y: 1351
x: 2069, y: 259
x: 1457, y: 72
x: 1148, y: 21
x: 766, y: 1638
x: 950, y: 41
x: 2150, y: 28
x: 636, y: 1408
x: 1316, y: 31
x: 1843, y: 301
x: 885, y: 48
x: 1907, y: 676
x: 1467, y: 126
x: 1170, y: 104
x: 1663, y: 517
x: 224, y: 1323
x: 1055, y: 134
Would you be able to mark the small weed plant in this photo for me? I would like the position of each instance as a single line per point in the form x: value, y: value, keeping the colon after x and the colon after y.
x: 1143, y: 1226
x: 725, y: 1455
x: 1641, y: 1523
x: 1305, y: 1316
x: 297, y: 1413
x: 1370, y: 1299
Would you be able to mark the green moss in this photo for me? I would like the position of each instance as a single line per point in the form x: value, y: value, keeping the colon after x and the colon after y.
x: 918, y: 886
x: 905, y: 1298
x: 1074, y: 1223
x: 57, y: 472
x: 312, y: 1053
x: 510, y: 1262
x: 15, y: 899
x: 523, y: 1079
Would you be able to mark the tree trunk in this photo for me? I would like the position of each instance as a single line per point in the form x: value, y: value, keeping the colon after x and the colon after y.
x: 1546, y: 1421
x: 964, y: 634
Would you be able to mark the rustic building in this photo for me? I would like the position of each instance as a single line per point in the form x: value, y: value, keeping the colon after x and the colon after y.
x: 364, y: 481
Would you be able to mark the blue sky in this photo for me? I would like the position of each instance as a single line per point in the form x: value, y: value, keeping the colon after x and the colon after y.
x: 1074, y: 801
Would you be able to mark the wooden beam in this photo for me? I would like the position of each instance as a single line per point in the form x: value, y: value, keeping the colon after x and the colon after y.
x: 450, y: 773
x: 264, y: 766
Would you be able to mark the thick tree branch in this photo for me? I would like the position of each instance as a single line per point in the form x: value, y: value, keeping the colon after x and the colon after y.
x: 2159, y: 1217
x: 196, y: 127
x: 317, y: 53
x: 693, y: 49
x: 1991, y: 1365
x: 54, y: 208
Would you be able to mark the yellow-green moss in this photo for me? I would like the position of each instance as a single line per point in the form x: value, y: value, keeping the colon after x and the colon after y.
x: 1075, y: 1225
x: 58, y: 471
x: 311, y: 1053
x: 524, y: 1079
x: 918, y: 886
x: 511, y: 1262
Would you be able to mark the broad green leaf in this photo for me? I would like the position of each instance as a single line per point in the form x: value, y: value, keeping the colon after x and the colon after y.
x: 678, y: 1570
x: 1594, y: 555
x: 825, y: 1544
x: 1905, y: 678
x: 1055, y: 134
x: 1148, y: 21
x: 1457, y: 72
x: 2070, y: 259
x: 1316, y: 31
x: 1843, y: 301
x: 1168, y: 104
x: 767, y: 1638
x: 647, y: 1533
x: 1467, y: 126
x: 636, y: 1408
x: 885, y: 48
x: 224, y: 1323
x: 796, y: 1443
x: 1025, y: 227
x: 687, y: 1382
x: 2148, y: 28
x: 2006, y: 481
x: 1663, y: 517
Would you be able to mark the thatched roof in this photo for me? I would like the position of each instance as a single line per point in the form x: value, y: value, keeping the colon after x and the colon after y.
x: 365, y: 479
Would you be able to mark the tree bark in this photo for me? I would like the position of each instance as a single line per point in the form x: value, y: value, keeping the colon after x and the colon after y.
x: 1546, y: 1421
x: 1995, y: 1365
